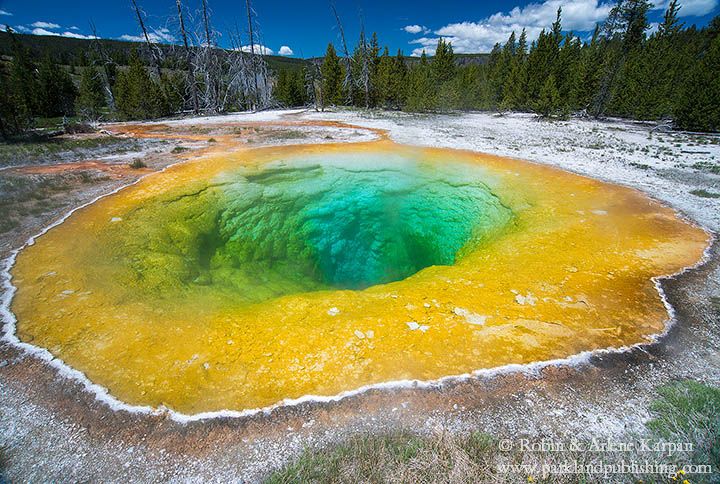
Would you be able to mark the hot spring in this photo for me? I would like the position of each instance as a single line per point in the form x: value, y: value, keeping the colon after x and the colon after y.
x: 317, y: 223
x: 242, y: 279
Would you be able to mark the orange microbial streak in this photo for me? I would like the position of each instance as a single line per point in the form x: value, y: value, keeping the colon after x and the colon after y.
x: 111, y: 292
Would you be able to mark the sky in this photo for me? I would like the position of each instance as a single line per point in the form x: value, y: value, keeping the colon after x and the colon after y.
x: 303, y: 28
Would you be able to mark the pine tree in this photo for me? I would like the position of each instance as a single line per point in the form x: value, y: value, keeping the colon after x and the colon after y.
x: 91, y: 98
x: 22, y: 79
x: 383, y: 80
x: 443, y: 64
x: 569, y: 71
x: 282, y: 88
x: 670, y: 25
x: 468, y: 88
x: 698, y: 106
x: 514, y: 88
x: 374, y: 66
x: 289, y: 89
x: 332, y: 75
x: 56, y: 93
x: 137, y: 95
x: 496, y: 74
x: 514, y: 85
x: 173, y: 87
x: 15, y: 116
x: 398, y: 81
x: 297, y: 89
x: 548, y: 102
x: 421, y: 94
x: 543, y: 59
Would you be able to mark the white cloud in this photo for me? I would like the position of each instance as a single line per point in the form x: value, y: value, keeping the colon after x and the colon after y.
x: 74, y: 28
x: 45, y: 25
x: 689, y: 8
x: 285, y: 50
x: 415, y: 29
x: 133, y: 38
x: 259, y: 49
x: 577, y: 15
x: 75, y: 35
x: 42, y: 32
x: 481, y: 36
x: 161, y: 35
x: 5, y: 12
x: 72, y: 35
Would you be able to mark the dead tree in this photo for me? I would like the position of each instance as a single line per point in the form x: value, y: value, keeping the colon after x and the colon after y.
x: 253, y: 72
x: 314, y: 86
x: 153, y: 53
x: 206, y: 23
x: 239, y: 76
x: 262, y: 89
x: 348, y: 80
x: 207, y: 65
x: 188, y: 54
x: 364, y: 80
x: 107, y: 64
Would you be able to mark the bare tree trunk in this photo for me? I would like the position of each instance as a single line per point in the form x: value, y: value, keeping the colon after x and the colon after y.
x: 604, y: 94
x: 253, y: 70
x: 365, y: 68
x: 107, y: 62
x: 190, y: 71
x: 206, y: 23
x: 210, y: 65
x: 348, y: 81
x: 147, y: 38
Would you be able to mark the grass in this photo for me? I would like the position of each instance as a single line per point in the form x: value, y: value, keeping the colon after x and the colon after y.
x: 708, y: 167
x: 39, y: 148
x: 289, y: 134
x: 688, y: 411
x: 3, y: 464
x: 685, y: 411
x: 399, y: 457
x: 366, y: 454
x: 21, y: 195
x: 715, y: 303
x: 704, y: 193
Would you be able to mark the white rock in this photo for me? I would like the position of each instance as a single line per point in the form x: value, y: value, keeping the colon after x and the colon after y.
x: 528, y: 299
x: 412, y: 325
x: 470, y: 317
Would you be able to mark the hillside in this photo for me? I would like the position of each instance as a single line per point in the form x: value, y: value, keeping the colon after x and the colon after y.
x: 72, y: 51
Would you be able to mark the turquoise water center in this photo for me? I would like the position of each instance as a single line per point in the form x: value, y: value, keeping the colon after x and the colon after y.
x: 343, y: 221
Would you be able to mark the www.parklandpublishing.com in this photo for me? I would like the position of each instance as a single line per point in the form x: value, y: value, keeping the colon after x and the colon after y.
x: 605, y: 469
